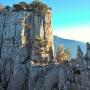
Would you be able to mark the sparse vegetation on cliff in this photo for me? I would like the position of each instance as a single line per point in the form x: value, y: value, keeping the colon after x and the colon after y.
x: 62, y: 55
x: 20, y: 6
x: 34, y: 5
x: 39, y: 6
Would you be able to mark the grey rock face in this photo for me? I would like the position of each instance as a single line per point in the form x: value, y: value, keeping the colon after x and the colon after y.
x: 18, y: 46
x: 58, y: 77
x: 12, y: 71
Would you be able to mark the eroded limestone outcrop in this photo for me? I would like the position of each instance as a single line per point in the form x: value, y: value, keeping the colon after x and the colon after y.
x: 25, y: 36
x: 70, y: 75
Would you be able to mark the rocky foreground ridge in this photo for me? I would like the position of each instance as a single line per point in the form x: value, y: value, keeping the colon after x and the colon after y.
x: 26, y: 54
x: 70, y: 75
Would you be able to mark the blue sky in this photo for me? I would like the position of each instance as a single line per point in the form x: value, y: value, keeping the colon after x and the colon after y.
x: 68, y: 16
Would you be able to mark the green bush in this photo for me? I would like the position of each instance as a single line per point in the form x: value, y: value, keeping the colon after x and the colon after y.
x: 20, y: 6
x: 7, y: 8
x: 40, y: 6
x: 34, y: 5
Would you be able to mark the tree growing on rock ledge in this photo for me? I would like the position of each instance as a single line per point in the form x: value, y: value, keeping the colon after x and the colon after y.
x: 62, y: 55
x: 20, y: 6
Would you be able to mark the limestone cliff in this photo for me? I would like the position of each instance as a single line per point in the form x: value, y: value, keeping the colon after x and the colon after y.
x: 30, y: 31
x: 25, y: 36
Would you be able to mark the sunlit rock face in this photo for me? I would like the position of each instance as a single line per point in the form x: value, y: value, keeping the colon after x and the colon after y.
x: 41, y: 36
x: 26, y: 30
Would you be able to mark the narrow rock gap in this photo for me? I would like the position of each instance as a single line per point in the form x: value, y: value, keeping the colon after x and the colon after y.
x: 2, y: 35
x: 55, y: 86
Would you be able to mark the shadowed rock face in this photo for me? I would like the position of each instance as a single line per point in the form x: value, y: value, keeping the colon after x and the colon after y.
x: 18, y: 48
x: 52, y: 77
x: 87, y: 56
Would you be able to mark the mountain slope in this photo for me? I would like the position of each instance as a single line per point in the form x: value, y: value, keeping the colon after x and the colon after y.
x: 72, y: 44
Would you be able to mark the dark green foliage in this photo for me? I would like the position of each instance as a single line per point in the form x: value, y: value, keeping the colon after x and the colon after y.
x: 34, y: 6
x: 55, y: 86
x: 20, y: 6
x: 40, y: 6
x: 76, y: 71
x: 88, y: 45
x: 7, y: 8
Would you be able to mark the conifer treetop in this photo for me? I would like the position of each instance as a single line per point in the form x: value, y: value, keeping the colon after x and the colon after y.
x: 36, y: 0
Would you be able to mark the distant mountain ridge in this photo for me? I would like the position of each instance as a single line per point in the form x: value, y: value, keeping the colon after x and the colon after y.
x: 72, y: 44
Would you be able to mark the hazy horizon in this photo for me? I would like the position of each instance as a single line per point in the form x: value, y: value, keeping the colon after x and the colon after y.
x: 70, y: 18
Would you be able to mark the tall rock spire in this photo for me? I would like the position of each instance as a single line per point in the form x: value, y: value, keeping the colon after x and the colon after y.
x: 41, y: 33
x: 87, y: 56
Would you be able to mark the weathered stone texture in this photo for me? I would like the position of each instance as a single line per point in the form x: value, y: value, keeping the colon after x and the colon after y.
x: 20, y: 44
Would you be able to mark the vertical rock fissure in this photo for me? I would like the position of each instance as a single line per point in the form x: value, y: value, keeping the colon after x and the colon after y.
x: 2, y: 34
x: 44, y: 26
